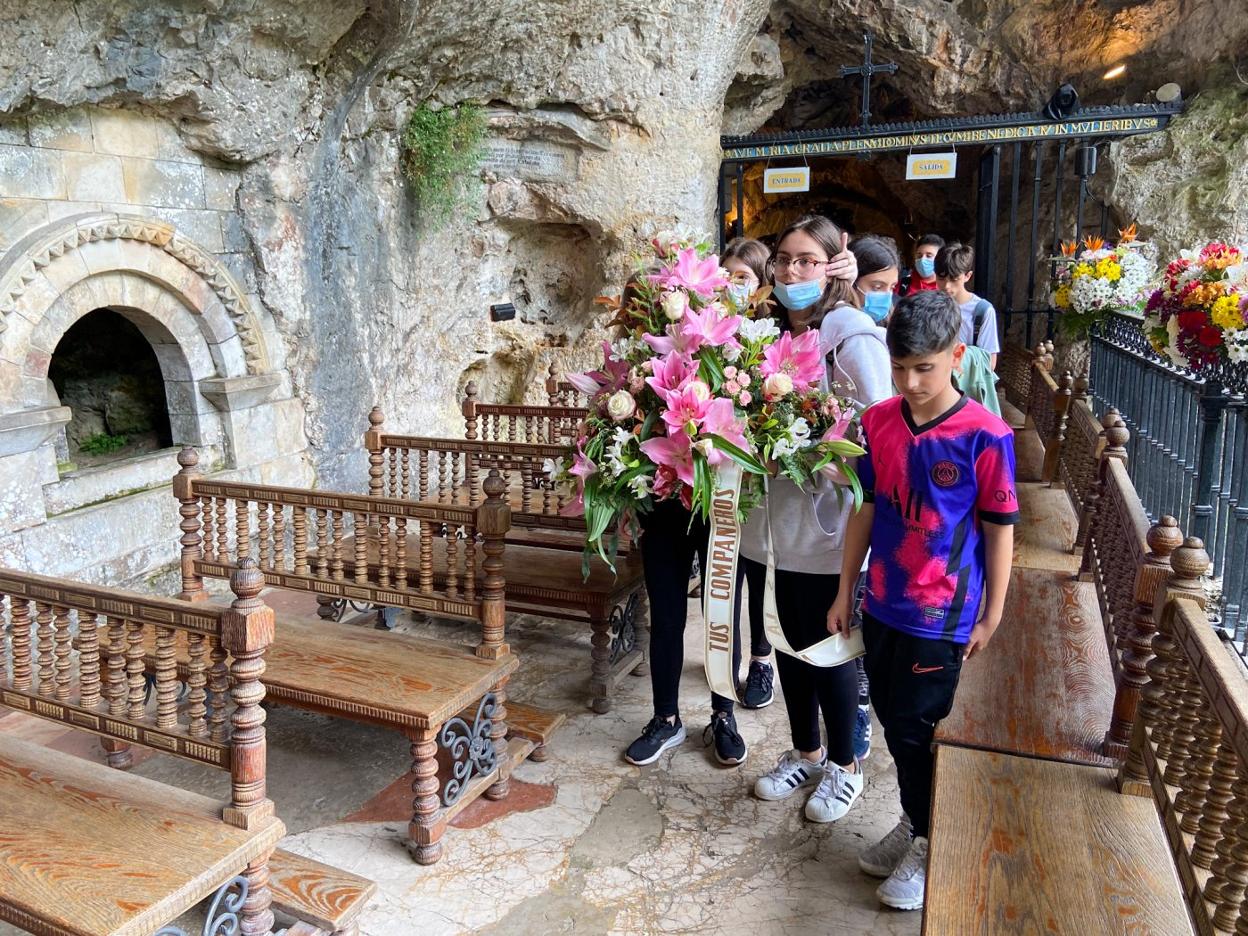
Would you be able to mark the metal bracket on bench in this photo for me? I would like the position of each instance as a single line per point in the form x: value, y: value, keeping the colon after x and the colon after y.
x: 471, y: 749
x: 222, y: 919
x: 623, y: 623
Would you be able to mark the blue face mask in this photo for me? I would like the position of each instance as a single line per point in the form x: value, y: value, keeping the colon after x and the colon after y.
x: 926, y: 267
x: 798, y: 296
x: 877, y: 305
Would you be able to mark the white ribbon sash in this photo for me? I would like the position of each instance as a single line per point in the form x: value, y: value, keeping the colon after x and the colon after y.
x: 719, y: 593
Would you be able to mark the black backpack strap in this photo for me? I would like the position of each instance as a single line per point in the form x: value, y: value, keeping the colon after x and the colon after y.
x: 978, y: 317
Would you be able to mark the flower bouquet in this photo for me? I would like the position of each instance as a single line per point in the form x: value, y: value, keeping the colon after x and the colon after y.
x: 1198, y: 318
x: 700, y: 381
x: 1101, y: 278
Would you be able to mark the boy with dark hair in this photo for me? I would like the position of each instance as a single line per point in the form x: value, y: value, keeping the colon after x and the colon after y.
x: 923, y: 276
x: 955, y: 264
x: 939, y: 505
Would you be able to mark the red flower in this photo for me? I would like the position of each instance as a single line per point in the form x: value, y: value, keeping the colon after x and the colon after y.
x: 1193, y: 320
x: 1210, y: 336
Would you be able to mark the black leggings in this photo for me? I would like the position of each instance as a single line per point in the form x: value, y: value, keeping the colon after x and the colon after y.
x: 754, y: 574
x: 802, y: 603
x: 668, y: 545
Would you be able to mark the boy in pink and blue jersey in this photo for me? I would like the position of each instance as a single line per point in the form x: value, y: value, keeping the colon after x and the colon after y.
x: 938, y: 514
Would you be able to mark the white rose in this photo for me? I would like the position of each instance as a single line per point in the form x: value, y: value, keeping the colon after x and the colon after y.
x: 621, y: 405
x: 674, y: 306
x: 701, y: 392
x: 777, y: 385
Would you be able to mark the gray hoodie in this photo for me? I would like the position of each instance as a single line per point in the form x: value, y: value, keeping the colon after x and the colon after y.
x: 808, y: 527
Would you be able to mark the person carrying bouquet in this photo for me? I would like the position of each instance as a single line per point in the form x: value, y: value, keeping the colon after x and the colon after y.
x: 802, y: 531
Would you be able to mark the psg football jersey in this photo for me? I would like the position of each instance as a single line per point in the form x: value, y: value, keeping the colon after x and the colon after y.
x: 933, y: 486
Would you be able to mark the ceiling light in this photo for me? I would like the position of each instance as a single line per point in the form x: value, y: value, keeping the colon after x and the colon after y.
x: 1116, y: 72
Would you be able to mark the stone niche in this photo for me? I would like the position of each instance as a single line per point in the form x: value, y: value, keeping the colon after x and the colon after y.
x: 212, y: 361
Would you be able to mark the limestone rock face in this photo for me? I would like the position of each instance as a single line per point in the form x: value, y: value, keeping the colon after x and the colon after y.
x: 1191, y: 182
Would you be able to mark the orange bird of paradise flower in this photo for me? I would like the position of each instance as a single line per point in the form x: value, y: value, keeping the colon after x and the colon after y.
x: 1069, y: 248
x: 1127, y: 235
x: 1094, y: 243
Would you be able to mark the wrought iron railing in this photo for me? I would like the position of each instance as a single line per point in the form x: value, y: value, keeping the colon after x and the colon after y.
x: 1188, y: 453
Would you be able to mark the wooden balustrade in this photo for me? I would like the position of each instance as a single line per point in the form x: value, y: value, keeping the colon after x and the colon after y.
x: 1047, y: 407
x: 1189, y: 746
x: 1078, y: 458
x: 561, y: 392
x: 388, y: 551
x: 1016, y: 367
x: 75, y: 653
x: 507, y: 422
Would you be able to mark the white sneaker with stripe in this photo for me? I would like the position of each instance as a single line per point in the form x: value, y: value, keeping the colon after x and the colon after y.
x: 835, y: 794
x: 791, y: 773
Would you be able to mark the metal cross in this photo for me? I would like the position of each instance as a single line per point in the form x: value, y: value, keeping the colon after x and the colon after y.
x: 866, y: 70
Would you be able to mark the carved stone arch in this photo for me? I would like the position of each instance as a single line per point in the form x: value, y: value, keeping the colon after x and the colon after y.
x: 43, y: 266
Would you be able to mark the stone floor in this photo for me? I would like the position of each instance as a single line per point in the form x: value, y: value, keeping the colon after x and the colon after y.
x: 586, y: 843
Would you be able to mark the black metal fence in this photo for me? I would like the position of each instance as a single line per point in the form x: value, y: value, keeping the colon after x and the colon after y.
x: 1188, y: 454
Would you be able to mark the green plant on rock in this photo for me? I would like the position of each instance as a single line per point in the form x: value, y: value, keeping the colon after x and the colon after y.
x: 441, y: 151
x: 102, y: 444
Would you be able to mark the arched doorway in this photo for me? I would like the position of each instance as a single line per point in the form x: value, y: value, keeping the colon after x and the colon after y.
x: 105, y: 371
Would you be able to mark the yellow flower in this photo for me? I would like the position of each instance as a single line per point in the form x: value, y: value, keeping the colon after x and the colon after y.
x: 1225, y: 313
x: 1061, y: 298
x: 1083, y: 269
x: 1109, y: 269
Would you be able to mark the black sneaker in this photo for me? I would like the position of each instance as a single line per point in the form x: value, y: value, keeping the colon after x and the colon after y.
x: 658, y: 735
x: 758, y: 685
x: 730, y: 748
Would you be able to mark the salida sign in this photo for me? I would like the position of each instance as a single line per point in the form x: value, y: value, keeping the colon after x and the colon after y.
x: 931, y: 166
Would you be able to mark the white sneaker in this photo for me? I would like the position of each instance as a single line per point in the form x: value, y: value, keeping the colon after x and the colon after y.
x: 882, y: 858
x: 791, y: 773
x: 835, y: 794
x: 904, y: 888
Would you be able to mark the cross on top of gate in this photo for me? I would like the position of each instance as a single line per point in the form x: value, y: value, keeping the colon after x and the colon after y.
x: 866, y: 70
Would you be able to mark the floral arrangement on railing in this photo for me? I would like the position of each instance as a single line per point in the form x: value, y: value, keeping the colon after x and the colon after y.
x: 1102, y: 278
x: 1198, y: 318
x: 700, y: 377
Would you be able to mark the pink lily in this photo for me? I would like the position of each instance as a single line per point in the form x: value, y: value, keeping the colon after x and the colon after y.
x: 582, y: 467
x: 707, y: 327
x: 612, y: 377
x: 575, y: 507
x: 671, y: 372
x: 673, y: 341
x: 700, y: 276
x: 800, y: 358
x: 686, y: 408
x: 721, y: 420
x: 673, y: 452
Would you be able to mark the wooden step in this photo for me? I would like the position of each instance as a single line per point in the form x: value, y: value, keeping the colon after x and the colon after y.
x: 317, y: 893
x: 1044, y: 686
x: 91, y: 850
x: 1020, y: 845
x: 394, y: 680
x: 534, y: 724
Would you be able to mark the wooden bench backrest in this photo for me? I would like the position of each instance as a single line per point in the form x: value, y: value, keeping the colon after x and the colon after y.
x: 561, y: 393
x: 513, y: 422
x: 453, y: 471
x: 74, y: 653
x: 1078, y: 462
x: 299, y: 539
x: 1189, y: 746
x: 1047, y: 406
x: 1015, y: 367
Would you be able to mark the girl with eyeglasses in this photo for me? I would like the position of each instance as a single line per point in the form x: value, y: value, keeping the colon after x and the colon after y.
x: 670, y: 539
x: 802, y: 530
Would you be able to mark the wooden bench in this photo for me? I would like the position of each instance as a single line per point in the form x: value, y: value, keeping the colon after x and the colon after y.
x: 1015, y: 369
x: 416, y: 686
x: 1078, y: 462
x: 543, y: 565
x: 1024, y: 845
x: 87, y: 850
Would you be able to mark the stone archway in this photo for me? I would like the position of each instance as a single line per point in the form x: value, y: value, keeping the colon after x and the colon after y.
x: 221, y: 359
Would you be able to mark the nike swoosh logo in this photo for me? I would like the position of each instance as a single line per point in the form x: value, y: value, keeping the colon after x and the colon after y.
x: 924, y: 669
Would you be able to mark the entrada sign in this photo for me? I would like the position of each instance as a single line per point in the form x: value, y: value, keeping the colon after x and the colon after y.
x: 1041, y: 130
x: 787, y: 180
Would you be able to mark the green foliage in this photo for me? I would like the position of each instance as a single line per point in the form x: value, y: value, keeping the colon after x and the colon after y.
x: 441, y: 150
x: 102, y: 444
